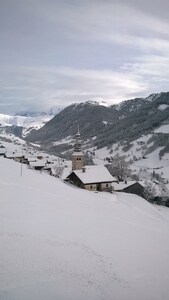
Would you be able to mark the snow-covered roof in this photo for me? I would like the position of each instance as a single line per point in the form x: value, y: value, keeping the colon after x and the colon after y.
x: 94, y: 174
x: 31, y: 158
x: 2, y: 150
x: 39, y: 163
x: 77, y: 153
x: 14, y: 155
x: 122, y: 185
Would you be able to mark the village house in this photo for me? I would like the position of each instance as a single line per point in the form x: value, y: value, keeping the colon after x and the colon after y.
x: 92, y: 178
x: 29, y: 158
x: 17, y: 156
x: 2, y: 151
x: 37, y: 165
x: 132, y: 187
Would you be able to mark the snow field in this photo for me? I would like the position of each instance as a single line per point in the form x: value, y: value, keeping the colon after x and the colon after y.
x: 61, y: 242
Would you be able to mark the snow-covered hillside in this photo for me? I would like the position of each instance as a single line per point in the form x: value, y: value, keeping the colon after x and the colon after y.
x: 142, y: 162
x: 61, y: 242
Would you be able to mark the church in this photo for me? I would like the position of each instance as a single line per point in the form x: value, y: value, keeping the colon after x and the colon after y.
x: 92, y: 178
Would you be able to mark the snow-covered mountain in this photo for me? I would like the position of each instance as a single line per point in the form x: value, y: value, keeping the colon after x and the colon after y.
x: 125, y: 121
x: 61, y: 242
x: 28, y: 122
x: 24, y: 121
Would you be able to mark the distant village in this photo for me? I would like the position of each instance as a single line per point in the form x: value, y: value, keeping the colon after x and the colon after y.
x: 96, y: 178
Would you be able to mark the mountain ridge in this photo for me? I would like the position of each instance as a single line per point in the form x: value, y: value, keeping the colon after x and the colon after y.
x: 105, y: 125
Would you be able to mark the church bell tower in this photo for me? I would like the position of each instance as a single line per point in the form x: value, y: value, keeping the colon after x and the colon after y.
x: 77, y: 156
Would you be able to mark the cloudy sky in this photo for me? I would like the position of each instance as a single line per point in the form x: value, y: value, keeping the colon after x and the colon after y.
x: 57, y: 52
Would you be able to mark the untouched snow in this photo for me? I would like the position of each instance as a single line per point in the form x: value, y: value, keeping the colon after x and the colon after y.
x: 68, y: 140
x: 61, y: 242
x: 162, y: 129
x: 151, y: 161
x: 163, y: 106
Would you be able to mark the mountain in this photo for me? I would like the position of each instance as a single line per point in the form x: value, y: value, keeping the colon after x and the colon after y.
x: 23, y: 120
x: 23, y: 123
x: 52, y: 111
x: 102, y: 126
x: 66, y: 122
x: 61, y: 242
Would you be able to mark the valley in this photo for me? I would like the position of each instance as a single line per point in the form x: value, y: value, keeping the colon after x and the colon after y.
x: 105, y: 132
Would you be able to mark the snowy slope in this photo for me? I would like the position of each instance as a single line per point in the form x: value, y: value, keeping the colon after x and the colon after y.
x: 163, y: 129
x: 61, y: 242
x: 137, y: 156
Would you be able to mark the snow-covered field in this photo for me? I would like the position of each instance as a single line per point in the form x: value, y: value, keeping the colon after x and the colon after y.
x: 61, y: 242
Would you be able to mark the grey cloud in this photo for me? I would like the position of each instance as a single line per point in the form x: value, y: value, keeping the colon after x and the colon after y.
x: 53, y: 86
x: 57, y: 52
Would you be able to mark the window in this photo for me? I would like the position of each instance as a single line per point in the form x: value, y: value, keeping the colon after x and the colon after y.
x: 91, y: 187
x: 107, y: 185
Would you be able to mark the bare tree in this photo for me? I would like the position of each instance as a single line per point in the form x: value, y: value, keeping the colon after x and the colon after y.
x: 163, y: 190
x: 149, y: 191
x: 120, y: 167
x: 58, y: 169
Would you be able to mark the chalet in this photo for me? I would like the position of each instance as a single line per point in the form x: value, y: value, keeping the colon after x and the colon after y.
x: 49, y: 167
x: 29, y: 158
x: 17, y: 156
x: 92, y: 178
x: 37, y: 165
x: 132, y: 187
x: 2, y: 151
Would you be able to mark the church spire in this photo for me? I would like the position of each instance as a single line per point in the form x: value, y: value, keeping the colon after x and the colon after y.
x: 77, y: 146
x: 77, y: 156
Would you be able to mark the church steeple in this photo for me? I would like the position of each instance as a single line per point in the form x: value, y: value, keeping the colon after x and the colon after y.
x: 77, y: 156
x: 77, y: 146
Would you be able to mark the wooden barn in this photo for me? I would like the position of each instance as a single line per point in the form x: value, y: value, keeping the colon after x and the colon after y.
x: 132, y: 187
